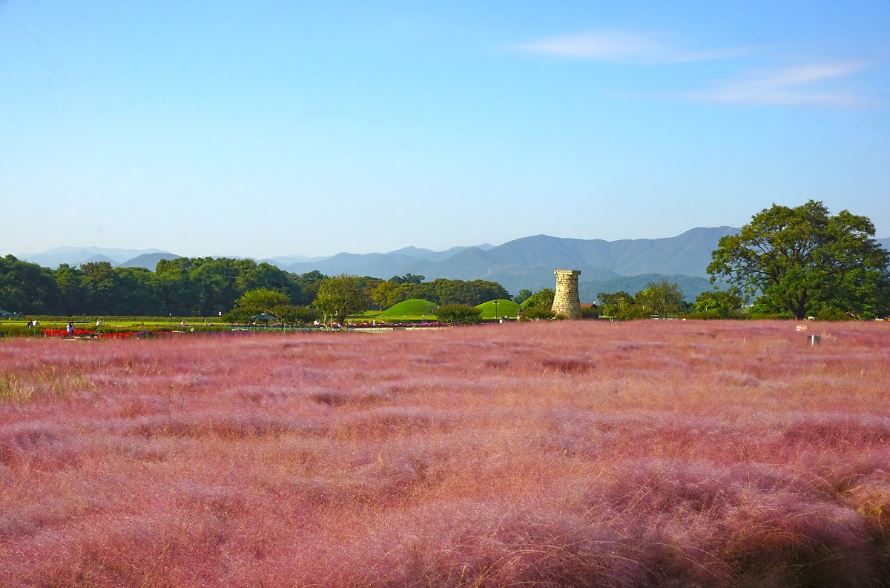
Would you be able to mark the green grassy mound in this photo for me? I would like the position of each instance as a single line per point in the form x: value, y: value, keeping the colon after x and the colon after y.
x: 505, y: 307
x: 413, y: 307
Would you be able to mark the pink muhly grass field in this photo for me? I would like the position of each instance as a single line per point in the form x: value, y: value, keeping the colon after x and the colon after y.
x: 586, y: 453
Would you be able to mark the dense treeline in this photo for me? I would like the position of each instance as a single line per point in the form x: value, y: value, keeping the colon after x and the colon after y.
x: 201, y: 287
x: 659, y: 299
x: 440, y: 291
x: 183, y: 286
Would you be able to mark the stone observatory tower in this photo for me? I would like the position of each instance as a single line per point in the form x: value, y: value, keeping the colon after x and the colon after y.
x: 566, y: 301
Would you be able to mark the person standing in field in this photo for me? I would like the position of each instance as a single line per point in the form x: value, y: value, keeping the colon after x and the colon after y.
x: 70, y: 329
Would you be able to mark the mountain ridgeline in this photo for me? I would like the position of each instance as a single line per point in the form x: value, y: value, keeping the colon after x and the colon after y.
x: 76, y: 256
x: 606, y: 266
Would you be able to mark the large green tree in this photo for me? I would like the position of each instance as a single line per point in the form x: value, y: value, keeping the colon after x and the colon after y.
x: 389, y: 293
x: 257, y: 301
x: 660, y: 298
x: 340, y: 296
x: 614, y: 304
x: 266, y: 300
x: 308, y: 285
x: 803, y: 259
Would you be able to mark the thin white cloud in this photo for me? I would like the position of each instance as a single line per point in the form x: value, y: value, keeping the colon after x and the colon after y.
x: 620, y: 47
x: 790, y: 86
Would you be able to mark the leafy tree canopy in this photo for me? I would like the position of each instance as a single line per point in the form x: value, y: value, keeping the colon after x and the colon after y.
x: 614, y: 304
x: 660, y: 298
x: 340, y: 296
x: 522, y: 296
x: 26, y: 287
x: 266, y: 300
x: 543, y: 298
x: 718, y: 302
x: 254, y: 302
x: 469, y: 292
x: 803, y: 259
x: 657, y: 298
x: 387, y: 294
x: 407, y: 279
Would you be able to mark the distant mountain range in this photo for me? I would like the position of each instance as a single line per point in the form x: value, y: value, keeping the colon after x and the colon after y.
x: 529, y: 262
x: 148, y: 260
x: 75, y: 256
x: 606, y: 266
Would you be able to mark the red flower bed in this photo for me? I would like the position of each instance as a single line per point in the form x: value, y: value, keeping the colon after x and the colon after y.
x: 117, y: 335
x: 64, y: 333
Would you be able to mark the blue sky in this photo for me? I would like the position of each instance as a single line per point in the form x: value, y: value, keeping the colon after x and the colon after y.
x: 274, y: 128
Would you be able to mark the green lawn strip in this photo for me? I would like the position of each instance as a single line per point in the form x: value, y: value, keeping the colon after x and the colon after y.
x: 368, y: 314
x: 407, y: 318
x: 19, y: 327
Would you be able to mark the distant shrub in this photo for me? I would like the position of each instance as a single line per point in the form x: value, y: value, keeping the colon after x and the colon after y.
x: 284, y: 313
x: 830, y: 313
x: 719, y: 302
x: 740, y: 315
x: 590, y: 313
x: 634, y: 311
x: 769, y: 316
x: 296, y: 315
x: 537, y: 313
x: 458, y: 314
